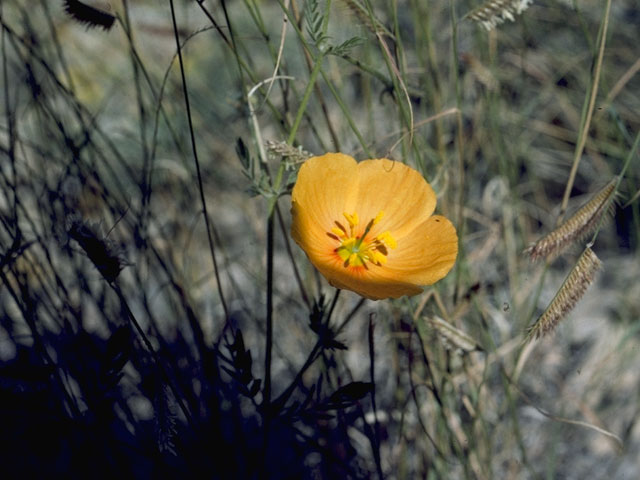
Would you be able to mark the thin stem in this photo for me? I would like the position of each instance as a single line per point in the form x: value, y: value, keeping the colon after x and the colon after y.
x: 11, y: 134
x: 156, y: 358
x: 56, y: 43
x: 333, y: 306
x: 287, y: 244
x: 234, y: 46
x: 375, y: 440
x: 266, y: 392
x: 350, y: 315
x: 459, y: 146
x: 244, y: 68
x: 195, y: 158
x: 347, y: 115
x: 305, y: 99
x: 582, y: 139
x: 323, y: 104
x: 315, y: 351
x: 269, y: 339
x: 627, y: 162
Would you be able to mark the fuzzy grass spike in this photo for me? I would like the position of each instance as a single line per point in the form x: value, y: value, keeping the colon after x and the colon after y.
x: 581, y: 223
x: 495, y: 12
x: 572, y: 290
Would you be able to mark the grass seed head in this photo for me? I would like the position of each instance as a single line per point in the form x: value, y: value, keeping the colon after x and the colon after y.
x: 495, y: 12
x: 452, y: 337
x: 98, y: 248
x: 580, y: 224
x: 572, y: 290
x: 88, y: 15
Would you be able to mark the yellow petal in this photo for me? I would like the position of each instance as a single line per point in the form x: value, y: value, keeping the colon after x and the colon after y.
x: 327, y: 182
x: 427, y: 259
x: 425, y: 255
x: 365, y: 282
x: 318, y: 199
x: 400, y: 191
x: 332, y: 184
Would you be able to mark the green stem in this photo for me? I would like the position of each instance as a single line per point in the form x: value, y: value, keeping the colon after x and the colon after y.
x: 459, y: 148
x: 347, y: 115
x: 317, y: 68
x: 587, y: 113
x: 305, y: 99
x: 294, y: 128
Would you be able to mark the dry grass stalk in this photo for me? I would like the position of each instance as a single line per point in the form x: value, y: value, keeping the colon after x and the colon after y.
x: 581, y: 223
x: 495, y: 12
x: 453, y: 338
x: 482, y: 73
x: 572, y: 290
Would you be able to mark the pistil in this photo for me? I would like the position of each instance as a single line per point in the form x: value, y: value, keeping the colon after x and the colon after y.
x: 357, y: 250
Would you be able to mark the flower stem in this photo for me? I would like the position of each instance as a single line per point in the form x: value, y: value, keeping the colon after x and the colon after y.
x: 305, y: 99
x: 266, y: 392
x: 269, y: 314
x: 317, y: 348
x: 333, y: 306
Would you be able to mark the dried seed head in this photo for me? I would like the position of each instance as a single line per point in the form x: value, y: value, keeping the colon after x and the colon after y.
x: 453, y: 338
x: 572, y: 290
x: 98, y: 248
x: 291, y: 155
x: 581, y: 223
x: 89, y: 15
x: 165, y: 420
x: 494, y: 12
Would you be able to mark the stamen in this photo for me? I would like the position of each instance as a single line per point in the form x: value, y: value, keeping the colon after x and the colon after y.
x: 387, y: 239
x: 356, y: 250
x: 338, y: 231
x: 352, y: 219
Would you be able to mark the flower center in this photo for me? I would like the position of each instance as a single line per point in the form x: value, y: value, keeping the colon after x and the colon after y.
x: 358, y: 250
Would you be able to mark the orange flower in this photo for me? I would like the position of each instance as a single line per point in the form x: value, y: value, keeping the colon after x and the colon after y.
x: 368, y: 226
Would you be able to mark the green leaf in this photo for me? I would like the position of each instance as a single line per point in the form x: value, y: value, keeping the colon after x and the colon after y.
x: 345, y: 47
